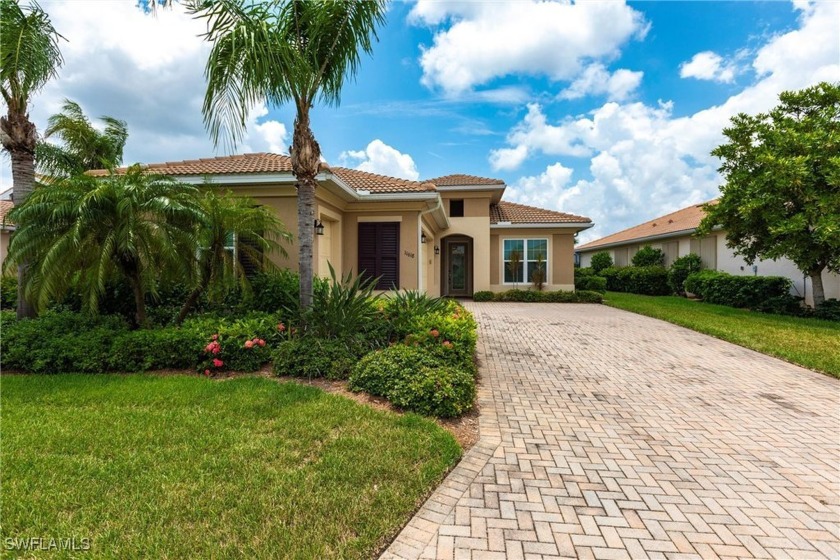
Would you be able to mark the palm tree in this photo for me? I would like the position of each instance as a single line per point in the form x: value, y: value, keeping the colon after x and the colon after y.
x: 29, y: 58
x: 83, y: 147
x: 233, y: 230
x: 283, y: 51
x: 87, y: 230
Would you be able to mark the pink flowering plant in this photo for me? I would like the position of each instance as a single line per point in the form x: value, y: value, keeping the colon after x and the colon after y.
x: 243, y: 345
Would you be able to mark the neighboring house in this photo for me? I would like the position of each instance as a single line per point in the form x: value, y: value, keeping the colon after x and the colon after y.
x: 6, y: 229
x: 674, y: 234
x: 451, y: 235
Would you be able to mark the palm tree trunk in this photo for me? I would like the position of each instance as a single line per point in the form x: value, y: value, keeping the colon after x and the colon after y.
x: 19, y: 139
x: 306, y: 158
x: 817, y: 286
x: 139, y: 297
x: 189, y: 304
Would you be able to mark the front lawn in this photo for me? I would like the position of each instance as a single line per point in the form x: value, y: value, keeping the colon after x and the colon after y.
x: 188, y: 467
x: 811, y: 343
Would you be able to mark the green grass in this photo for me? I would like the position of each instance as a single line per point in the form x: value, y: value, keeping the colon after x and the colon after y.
x: 186, y: 467
x: 811, y: 343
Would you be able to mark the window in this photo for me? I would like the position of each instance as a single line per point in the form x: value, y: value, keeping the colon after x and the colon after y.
x: 379, y: 253
x: 523, y: 258
x: 456, y: 208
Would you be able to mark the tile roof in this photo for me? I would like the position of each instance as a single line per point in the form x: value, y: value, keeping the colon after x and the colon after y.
x: 685, y: 219
x: 364, y: 181
x: 521, y: 214
x: 5, y: 207
x: 459, y: 180
x: 277, y: 163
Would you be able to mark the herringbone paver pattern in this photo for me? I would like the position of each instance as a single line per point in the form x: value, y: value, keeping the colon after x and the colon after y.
x: 605, y: 434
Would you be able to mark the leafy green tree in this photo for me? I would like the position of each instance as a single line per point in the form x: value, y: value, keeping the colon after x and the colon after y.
x: 648, y: 256
x: 86, y: 231
x: 83, y: 147
x: 281, y: 51
x: 782, y: 191
x: 232, y: 230
x: 600, y: 261
x: 29, y: 58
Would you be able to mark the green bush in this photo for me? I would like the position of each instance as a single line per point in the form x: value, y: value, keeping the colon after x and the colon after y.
x: 403, y: 309
x: 736, y: 291
x: 591, y: 283
x: 646, y: 280
x: 239, y: 340
x: 274, y: 291
x: 559, y: 296
x: 681, y: 269
x: 151, y: 349
x: 600, y: 261
x: 483, y: 296
x: 341, y: 308
x: 445, y: 391
x: 413, y: 379
x: 8, y: 292
x: 782, y: 305
x: 313, y: 357
x: 648, y: 256
x: 829, y: 310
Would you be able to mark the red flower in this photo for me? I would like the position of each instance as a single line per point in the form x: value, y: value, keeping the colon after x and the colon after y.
x: 447, y: 344
x: 281, y: 327
x: 434, y: 332
x: 261, y: 342
x: 217, y: 362
x: 207, y: 372
x: 249, y: 344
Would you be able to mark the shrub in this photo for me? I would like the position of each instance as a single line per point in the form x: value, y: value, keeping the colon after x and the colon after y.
x: 736, y: 291
x: 483, y: 296
x: 274, y: 291
x: 559, y: 296
x: 164, y: 348
x: 449, y: 336
x: 434, y: 391
x: 403, y: 310
x: 646, y: 280
x: 591, y: 283
x: 681, y: 269
x: 236, y: 354
x: 648, y: 256
x: 600, y: 261
x: 8, y: 292
x: 376, y: 373
x: 828, y: 310
x: 782, y: 305
x: 341, y: 308
x: 313, y: 357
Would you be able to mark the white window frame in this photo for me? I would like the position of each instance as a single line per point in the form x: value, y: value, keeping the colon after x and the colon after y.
x: 525, y: 259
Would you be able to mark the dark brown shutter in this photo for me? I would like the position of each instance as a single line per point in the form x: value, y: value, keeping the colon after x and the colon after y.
x: 379, y: 253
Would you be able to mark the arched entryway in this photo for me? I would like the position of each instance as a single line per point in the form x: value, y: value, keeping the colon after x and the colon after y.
x: 457, y: 266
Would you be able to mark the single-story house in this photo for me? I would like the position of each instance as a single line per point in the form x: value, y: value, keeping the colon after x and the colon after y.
x: 451, y: 235
x: 675, y: 235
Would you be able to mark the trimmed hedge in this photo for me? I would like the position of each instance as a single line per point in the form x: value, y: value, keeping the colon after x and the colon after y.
x: 591, y: 284
x: 559, y: 296
x: 313, y: 357
x: 681, y: 269
x: 645, y: 280
x: 600, y: 261
x: 483, y: 296
x: 736, y: 291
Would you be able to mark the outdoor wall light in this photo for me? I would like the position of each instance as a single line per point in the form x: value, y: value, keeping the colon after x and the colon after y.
x: 437, y: 250
x: 319, y: 227
x: 422, y: 238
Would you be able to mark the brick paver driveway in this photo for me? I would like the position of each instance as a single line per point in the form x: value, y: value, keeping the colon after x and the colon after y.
x: 610, y: 435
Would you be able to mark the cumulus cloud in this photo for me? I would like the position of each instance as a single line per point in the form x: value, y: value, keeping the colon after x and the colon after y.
x: 145, y: 69
x: 597, y: 80
x: 379, y: 157
x: 643, y: 160
x: 487, y: 40
x: 708, y: 65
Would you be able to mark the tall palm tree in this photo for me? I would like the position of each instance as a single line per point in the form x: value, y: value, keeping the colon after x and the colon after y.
x: 233, y: 230
x: 87, y: 230
x: 83, y: 147
x: 29, y: 58
x: 280, y: 51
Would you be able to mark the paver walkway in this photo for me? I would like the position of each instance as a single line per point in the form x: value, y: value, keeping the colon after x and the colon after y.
x: 611, y: 435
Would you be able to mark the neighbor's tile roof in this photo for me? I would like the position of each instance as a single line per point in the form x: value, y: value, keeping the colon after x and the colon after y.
x: 364, y: 181
x: 464, y: 180
x: 521, y: 214
x: 681, y: 220
x: 276, y: 163
x: 5, y: 207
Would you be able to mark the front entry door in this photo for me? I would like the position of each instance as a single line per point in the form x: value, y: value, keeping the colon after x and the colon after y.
x: 458, y: 269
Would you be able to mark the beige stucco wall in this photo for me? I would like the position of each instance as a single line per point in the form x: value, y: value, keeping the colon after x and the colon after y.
x: 727, y: 261
x: 476, y: 225
x: 4, y: 245
x: 561, y: 257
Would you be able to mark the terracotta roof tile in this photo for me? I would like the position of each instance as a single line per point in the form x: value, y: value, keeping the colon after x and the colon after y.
x: 364, y: 181
x: 5, y: 207
x: 685, y: 219
x: 459, y: 180
x: 522, y: 214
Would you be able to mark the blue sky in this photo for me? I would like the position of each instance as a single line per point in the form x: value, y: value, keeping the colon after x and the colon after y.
x: 602, y: 108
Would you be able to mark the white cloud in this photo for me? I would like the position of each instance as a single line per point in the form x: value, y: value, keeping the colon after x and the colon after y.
x: 383, y: 159
x: 708, y: 65
x: 145, y: 69
x: 487, y: 40
x: 597, y: 80
x: 643, y: 160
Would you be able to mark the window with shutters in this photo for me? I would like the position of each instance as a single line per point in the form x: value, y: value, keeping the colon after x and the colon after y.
x: 379, y: 253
